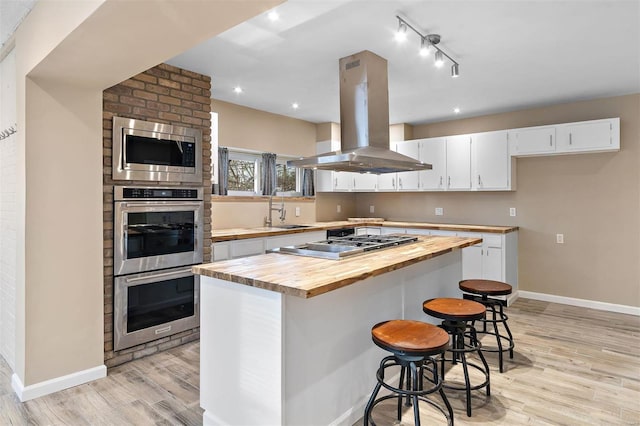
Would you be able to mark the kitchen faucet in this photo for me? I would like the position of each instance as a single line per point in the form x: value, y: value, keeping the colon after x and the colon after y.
x: 267, y: 220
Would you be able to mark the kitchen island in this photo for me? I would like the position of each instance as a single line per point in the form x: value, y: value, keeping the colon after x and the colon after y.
x: 285, y: 340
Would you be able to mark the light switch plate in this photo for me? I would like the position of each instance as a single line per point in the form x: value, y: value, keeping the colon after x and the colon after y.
x: 372, y: 209
x: 512, y: 211
x: 338, y: 208
x: 439, y: 211
x: 560, y: 238
x: 297, y: 211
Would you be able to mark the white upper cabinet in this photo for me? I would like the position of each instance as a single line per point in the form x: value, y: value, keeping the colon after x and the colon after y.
x: 589, y: 136
x: 387, y: 182
x: 532, y: 141
x: 409, y: 181
x: 365, y: 182
x: 458, y: 162
x: 433, y: 151
x: 569, y: 138
x: 491, y: 165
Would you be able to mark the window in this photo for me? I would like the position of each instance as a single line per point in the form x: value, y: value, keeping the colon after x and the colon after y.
x: 244, y: 174
x: 286, y: 177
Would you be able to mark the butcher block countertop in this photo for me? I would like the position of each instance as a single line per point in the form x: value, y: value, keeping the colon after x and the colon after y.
x: 229, y: 234
x: 308, y: 276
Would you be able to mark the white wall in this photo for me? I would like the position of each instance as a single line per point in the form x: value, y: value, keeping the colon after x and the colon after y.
x: 8, y: 170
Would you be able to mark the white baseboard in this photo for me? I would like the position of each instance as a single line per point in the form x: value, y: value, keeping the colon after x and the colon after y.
x: 25, y: 393
x: 584, y: 303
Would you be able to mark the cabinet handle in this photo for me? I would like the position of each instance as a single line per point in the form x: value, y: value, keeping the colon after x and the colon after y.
x: 393, y: 183
x: 400, y: 183
x: 449, y: 182
x: 550, y: 140
x: 354, y: 182
x: 479, y: 182
x: 440, y: 180
x: 570, y: 139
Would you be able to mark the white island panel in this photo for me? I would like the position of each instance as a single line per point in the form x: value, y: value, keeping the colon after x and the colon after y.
x: 273, y: 359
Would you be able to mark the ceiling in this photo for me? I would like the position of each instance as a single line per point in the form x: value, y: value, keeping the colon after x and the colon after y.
x: 512, y: 54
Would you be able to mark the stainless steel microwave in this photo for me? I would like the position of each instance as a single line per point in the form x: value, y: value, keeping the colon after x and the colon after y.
x: 148, y: 151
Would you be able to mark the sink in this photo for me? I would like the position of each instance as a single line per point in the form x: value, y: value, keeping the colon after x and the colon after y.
x: 291, y: 226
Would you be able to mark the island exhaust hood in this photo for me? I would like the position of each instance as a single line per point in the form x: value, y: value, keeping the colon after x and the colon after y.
x: 364, y: 122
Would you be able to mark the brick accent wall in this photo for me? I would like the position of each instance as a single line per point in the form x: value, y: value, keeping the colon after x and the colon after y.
x: 163, y: 94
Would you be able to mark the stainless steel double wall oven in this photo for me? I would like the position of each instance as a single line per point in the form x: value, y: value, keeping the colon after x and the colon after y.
x: 158, y: 236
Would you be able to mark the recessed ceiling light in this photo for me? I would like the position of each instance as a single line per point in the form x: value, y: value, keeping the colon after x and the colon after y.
x: 273, y: 16
x: 237, y: 89
x: 295, y: 105
x: 456, y: 110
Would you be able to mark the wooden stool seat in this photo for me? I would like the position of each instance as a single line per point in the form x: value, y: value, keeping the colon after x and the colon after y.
x: 485, y: 287
x: 410, y: 337
x: 454, y: 309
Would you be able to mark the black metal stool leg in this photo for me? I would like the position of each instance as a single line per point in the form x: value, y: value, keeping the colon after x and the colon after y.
x: 498, y: 339
x: 414, y: 397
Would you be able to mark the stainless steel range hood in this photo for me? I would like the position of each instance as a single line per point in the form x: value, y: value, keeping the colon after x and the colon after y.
x: 364, y: 122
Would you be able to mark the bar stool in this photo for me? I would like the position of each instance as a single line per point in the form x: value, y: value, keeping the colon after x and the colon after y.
x: 456, y: 315
x: 481, y: 290
x: 413, y: 345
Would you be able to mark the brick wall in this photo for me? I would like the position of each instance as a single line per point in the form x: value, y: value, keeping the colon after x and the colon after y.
x: 163, y: 94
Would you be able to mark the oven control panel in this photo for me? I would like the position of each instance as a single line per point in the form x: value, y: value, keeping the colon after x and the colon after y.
x: 122, y: 193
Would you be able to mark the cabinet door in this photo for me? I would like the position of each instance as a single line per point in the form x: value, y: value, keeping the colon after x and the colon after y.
x: 433, y: 151
x: 249, y: 247
x: 532, y: 141
x: 409, y: 181
x: 458, y: 162
x: 221, y: 251
x: 342, y: 181
x: 490, y: 161
x: 387, y: 182
x: 324, y: 181
x: 492, y: 264
x: 593, y: 135
x: 365, y: 182
x: 472, y: 258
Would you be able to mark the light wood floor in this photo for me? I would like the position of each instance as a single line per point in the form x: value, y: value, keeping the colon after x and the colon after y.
x: 572, y: 366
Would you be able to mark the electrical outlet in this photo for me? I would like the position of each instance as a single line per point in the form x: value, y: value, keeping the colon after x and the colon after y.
x: 339, y: 208
x: 439, y: 211
x: 512, y: 211
x: 372, y: 209
x: 560, y: 238
x: 297, y: 211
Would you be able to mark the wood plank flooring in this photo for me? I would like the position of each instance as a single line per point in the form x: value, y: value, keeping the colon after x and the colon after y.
x: 572, y: 366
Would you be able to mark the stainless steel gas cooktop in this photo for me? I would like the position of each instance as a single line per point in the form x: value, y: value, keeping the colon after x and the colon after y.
x: 340, y: 247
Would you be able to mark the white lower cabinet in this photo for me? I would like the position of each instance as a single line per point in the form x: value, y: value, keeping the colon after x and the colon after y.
x: 253, y: 246
x: 368, y: 230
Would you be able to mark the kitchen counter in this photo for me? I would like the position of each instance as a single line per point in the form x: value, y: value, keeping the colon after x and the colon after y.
x: 229, y: 234
x: 290, y: 336
x: 307, y: 277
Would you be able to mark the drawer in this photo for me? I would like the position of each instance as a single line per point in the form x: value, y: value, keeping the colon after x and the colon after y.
x: 492, y: 240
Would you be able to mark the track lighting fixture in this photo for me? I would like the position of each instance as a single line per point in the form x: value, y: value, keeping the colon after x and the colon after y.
x: 427, y: 42
x: 401, y: 34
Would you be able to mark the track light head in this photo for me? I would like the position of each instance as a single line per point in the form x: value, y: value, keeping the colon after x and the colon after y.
x: 455, y: 71
x: 401, y: 34
x: 424, y: 47
x: 439, y: 59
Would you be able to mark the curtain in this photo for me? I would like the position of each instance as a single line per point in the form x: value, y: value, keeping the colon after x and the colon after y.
x: 223, y: 170
x: 307, y: 183
x: 268, y: 180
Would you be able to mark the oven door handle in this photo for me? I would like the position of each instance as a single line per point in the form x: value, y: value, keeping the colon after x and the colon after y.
x: 161, y: 204
x: 154, y: 276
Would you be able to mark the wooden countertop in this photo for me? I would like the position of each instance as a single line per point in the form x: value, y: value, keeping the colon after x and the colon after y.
x: 229, y: 234
x: 307, y: 276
